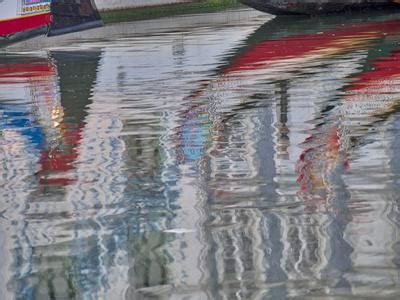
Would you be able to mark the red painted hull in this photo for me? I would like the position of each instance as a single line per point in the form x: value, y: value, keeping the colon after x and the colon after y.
x: 20, y: 24
x: 24, y: 19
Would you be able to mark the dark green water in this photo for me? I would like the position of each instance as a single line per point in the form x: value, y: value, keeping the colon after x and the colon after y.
x: 251, y: 160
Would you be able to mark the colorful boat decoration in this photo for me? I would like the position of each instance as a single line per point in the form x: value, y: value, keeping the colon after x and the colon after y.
x: 315, y: 7
x: 22, y: 19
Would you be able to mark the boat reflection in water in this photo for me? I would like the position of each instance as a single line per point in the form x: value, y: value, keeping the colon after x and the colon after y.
x: 272, y: 177
x: 336, y: 105
x: 41, y: 125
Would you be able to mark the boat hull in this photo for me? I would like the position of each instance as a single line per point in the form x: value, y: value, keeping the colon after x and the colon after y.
x: 313, y: 7
x: 23, y: 19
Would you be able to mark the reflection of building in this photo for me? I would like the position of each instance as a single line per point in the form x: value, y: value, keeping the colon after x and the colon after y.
x: 165, y: 245
x: 300, y: 247
x: 96, y: 217
x: 141, y: 184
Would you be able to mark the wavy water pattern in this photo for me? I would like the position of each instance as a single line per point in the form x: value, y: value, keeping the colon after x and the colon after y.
x: 251, y: 161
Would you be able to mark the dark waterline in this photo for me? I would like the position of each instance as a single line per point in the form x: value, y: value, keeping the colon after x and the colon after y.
x: 251, y: 160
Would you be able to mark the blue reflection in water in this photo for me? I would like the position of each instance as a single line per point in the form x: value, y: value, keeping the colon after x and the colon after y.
x: 20, y: 121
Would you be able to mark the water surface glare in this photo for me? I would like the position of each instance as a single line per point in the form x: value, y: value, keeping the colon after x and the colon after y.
x: 257, y: 159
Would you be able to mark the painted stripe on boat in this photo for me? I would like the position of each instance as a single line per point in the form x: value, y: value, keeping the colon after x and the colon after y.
x: 11, y: 26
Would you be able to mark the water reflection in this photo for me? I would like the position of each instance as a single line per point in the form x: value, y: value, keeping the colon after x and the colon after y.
x: 217, y: 162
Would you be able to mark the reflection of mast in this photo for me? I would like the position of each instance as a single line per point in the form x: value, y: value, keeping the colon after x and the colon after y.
x: 282, y: 126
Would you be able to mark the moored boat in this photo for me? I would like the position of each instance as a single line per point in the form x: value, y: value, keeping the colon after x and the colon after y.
x: 315, y: 7
x: 21, y: 19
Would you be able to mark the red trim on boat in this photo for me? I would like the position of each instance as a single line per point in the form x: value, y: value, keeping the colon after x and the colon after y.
x: 12, y: 26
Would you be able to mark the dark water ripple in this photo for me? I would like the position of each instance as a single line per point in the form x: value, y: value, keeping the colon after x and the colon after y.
x: 250, y: 161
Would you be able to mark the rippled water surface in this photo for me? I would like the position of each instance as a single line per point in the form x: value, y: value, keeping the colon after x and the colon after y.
x: 253, y: 159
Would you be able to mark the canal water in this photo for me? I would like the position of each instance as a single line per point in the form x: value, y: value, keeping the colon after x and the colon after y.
x: 254, y: 158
